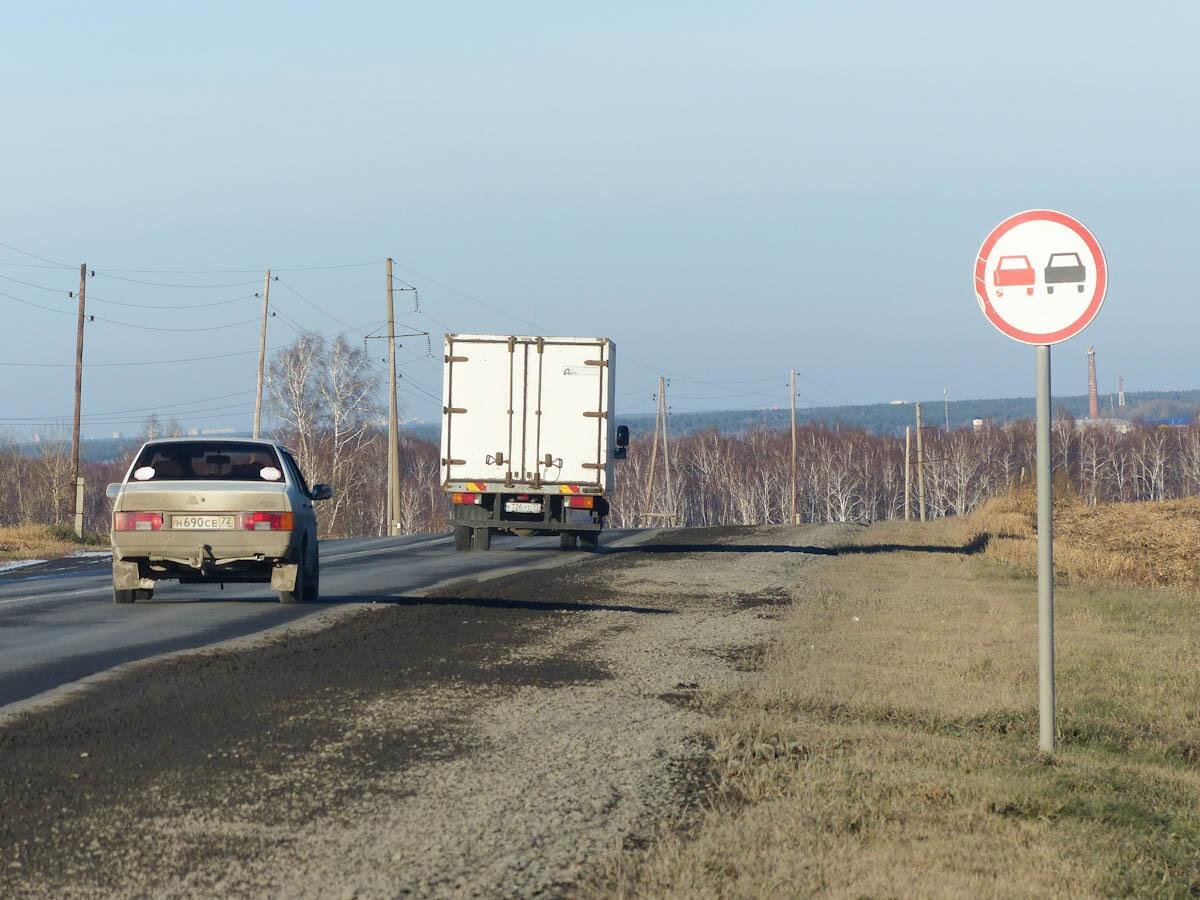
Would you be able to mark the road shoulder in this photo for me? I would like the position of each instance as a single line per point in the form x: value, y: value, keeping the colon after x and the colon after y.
x: 500, y: 736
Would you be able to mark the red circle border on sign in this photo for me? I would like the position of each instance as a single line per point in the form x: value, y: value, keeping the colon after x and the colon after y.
x: 1054, y: 337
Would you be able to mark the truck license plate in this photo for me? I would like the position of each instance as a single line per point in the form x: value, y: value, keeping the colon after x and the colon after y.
x: 522, y: 506
x: 202, y: 523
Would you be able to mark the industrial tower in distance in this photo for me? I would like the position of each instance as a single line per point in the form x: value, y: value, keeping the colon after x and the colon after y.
x: 1093, y: 394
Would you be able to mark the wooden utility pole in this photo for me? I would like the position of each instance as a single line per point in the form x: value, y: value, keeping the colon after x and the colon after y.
x: 792, y: 470
x: 262, y: 353
x: 393, y: 503
x: 907, y: 472
x: 920, y: 468
x: 662, y: 392
x: 653, y: 460
x: 76, y: 481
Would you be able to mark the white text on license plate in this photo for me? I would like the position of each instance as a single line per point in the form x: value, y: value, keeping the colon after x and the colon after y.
x: 202, y: 523
x: 522, y: 506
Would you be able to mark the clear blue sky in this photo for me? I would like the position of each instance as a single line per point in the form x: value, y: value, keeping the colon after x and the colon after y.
x: 727, y: 190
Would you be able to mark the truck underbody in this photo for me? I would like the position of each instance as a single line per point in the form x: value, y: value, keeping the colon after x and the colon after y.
x: 476, y: 516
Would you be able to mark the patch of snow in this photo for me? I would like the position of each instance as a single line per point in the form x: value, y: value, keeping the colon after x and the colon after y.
x: 79, y: 554
x: 19, y: 564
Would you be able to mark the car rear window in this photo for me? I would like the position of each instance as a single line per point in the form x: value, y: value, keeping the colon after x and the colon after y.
x: 1064, y: 259
x: 206, y: 461
x: 1014, y: 262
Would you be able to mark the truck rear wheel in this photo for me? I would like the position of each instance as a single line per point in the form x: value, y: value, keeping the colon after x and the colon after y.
x: 589, y: 541
x: 120, y: 596
x: 481, y: 539
x: 567, y: 540
x: 462, y: 537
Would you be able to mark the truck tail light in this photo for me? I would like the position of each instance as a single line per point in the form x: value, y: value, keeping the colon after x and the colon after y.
x: 581, y: 502
x: 462, y: 497
x: 267, y: 521
x: 137, y: 521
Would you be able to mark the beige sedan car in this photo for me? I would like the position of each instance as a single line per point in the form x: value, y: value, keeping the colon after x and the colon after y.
x: 215, y: 510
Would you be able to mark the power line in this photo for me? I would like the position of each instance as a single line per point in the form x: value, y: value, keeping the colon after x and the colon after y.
x: 143, y: 362
x: 175, y: 284
x: 466, y: 296
x: 55, y: 262
x: 322, y: 311
x: 182, y: 306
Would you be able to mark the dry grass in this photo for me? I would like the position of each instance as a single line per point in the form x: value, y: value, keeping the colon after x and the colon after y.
x: 888, y: 745
x: 1133, y: 543
x: 40, y: 542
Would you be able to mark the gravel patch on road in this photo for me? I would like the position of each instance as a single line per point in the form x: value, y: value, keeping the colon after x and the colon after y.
x: 496, y: 738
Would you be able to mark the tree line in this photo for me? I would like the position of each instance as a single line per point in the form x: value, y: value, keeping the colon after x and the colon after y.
x: 322, y: 396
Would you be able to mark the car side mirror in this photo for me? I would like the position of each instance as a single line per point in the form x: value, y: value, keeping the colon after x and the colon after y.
x: 321, y: 492
x: 112, y: 490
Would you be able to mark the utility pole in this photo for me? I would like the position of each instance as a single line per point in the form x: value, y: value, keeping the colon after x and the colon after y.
x: 262, y: 353
x: 662, y: 392
x: 907, y: 472
x: 76, y: 480
x: 920, y: 468
x: 793, y: 465
x: 653, y: 455
x: 393, y: 504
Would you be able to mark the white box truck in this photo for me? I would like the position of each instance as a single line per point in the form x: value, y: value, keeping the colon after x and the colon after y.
x: 528, y: 438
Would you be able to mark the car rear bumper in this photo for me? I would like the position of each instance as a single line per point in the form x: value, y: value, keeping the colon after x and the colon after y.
x: 202, y: 546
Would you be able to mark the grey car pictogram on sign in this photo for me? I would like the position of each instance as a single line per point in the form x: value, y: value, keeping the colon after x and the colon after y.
x: 1064, y: 268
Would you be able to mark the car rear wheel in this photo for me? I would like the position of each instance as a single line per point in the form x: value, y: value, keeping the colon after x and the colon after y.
x: 481, y: 539
x: 308, y: 580
x: 589, y: 541
x: 123, y: 596
x: 567, y: 540
x: 1049, y: 289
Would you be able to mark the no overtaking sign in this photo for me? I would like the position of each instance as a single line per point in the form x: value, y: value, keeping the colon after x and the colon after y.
x: 1040, y: 277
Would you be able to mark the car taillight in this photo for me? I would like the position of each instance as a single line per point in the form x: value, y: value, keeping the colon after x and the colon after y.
x: 267, y: 521
x: 581, y: 502
x: 137, y: 521
x: 462, y: 497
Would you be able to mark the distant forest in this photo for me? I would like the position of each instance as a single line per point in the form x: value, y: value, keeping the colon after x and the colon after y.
x: 1173, y: 407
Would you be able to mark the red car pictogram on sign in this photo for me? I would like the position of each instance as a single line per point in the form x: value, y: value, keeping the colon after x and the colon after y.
x: 1014, y: 271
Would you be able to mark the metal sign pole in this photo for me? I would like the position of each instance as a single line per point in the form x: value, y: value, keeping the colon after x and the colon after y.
x: 1045, y: 533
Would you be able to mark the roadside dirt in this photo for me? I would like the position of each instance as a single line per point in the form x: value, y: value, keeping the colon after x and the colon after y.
x: 497, y: 738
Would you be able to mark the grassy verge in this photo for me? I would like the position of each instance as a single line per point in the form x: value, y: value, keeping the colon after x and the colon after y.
x: 888, y: 744
x: 1131, y: 543
x: 44, y: 542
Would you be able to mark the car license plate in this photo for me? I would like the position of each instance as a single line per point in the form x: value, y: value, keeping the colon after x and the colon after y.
x: 522, y: 506
x: 202, y: 523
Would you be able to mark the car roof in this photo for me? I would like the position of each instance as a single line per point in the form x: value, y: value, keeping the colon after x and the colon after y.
x: 202, y: 439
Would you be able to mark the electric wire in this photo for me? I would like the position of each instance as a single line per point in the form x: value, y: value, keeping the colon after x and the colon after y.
x: 55, y: 262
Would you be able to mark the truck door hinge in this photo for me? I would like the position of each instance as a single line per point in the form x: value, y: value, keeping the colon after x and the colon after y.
x: 596, y: 362
x: 596, y: 415
x: 454, y: 359
x: 448, y: 410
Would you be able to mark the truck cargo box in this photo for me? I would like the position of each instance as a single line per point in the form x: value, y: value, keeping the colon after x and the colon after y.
x: 527, y: 413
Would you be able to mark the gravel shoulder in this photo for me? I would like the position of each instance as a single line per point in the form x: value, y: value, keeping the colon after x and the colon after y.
x: 499, y: 737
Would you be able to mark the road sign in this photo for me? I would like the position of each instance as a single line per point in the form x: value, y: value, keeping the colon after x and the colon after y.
x: 1040, y: 277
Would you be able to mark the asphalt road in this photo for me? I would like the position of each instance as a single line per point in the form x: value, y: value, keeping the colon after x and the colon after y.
x: 58, y: 623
